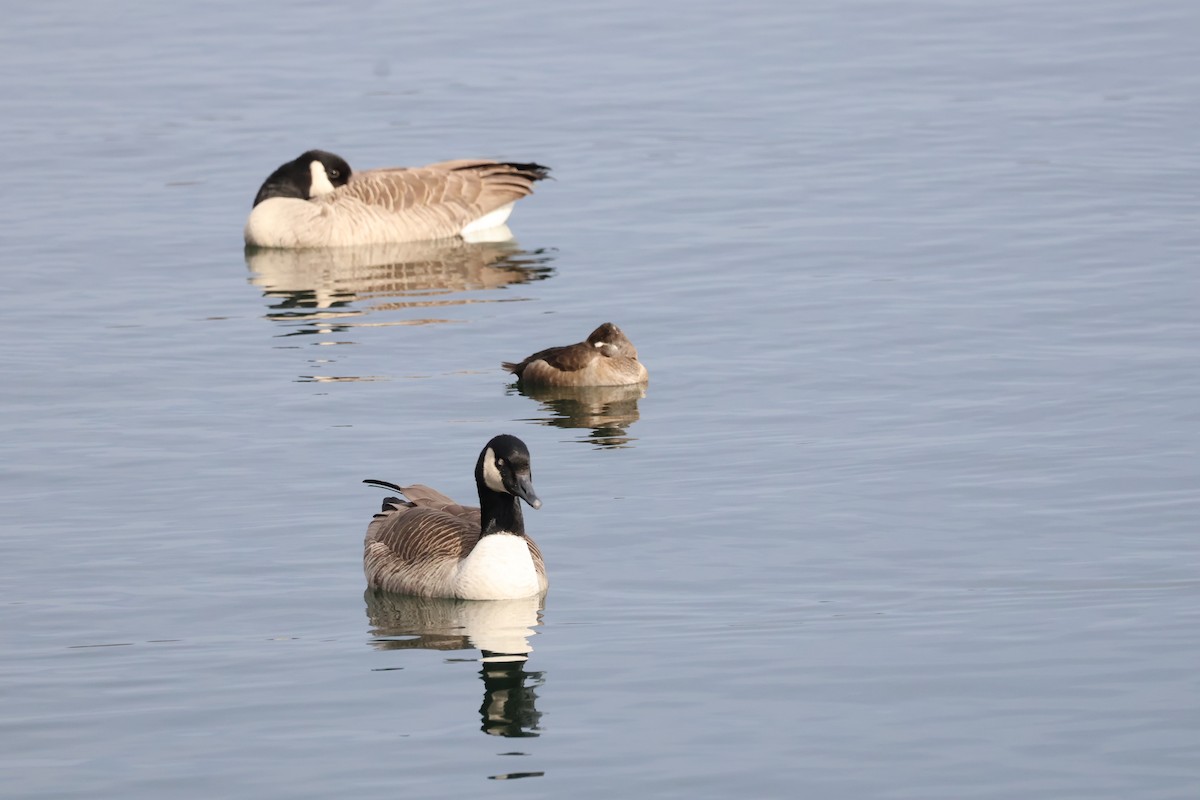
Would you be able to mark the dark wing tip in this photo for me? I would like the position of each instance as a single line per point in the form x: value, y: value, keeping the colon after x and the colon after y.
x: 529, y: 170
x: 532, y: 170
x: 391, y: 487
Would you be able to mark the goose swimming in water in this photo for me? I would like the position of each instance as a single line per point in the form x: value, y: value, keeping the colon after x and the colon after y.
x: 428, y: 545
x: 605, y: 358
x: 316, y: 200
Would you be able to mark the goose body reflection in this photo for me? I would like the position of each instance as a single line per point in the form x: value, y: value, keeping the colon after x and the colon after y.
x: 499, y: 629
x: 317, y: 200
x: 319, y: 290
x: 429, y: 545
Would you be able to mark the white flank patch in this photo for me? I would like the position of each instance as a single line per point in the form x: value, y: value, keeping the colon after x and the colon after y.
x: 499, y: 568
x: 491, y: 473
x: 320, y: 180
x: 492, y: 219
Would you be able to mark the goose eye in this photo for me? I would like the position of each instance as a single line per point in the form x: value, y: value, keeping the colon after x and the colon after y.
x: 334, y: 173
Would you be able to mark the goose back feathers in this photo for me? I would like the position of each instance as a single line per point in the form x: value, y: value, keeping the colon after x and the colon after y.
x: 430, y: 546
x: 318, y: 201
x: 605, y: 358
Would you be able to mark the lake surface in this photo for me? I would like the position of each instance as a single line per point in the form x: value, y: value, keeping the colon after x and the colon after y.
x: 908, y: 509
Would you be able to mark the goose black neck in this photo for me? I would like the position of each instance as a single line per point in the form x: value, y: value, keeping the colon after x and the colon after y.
x: 290, y: 180
x: 500, y: 512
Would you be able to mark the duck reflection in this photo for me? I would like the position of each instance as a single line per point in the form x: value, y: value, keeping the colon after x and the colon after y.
x: 499, y: 629
x: 607, y: 410
x: 315, y: 291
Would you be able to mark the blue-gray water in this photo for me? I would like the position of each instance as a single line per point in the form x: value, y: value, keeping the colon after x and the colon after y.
x: 908, y: 510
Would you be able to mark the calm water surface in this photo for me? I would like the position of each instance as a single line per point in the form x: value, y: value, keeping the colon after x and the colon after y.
x: 908, y: 509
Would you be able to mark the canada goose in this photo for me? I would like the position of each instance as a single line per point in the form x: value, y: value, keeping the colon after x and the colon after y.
x: 605, y: 358
x: 430, y: 546
x: 318, y: 201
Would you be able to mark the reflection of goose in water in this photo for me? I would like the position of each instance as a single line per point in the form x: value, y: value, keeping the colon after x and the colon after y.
x: 500, y: 629
x: 607, y: 410
x: 317, y: 288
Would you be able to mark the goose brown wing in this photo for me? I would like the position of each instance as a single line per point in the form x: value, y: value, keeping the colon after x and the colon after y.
x: 413, y: 534
x: 453, y: 191
x: 422, y: 496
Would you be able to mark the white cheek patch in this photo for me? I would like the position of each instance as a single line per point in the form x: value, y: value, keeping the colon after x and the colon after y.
x: 320, y: 180
x: 491, y: 475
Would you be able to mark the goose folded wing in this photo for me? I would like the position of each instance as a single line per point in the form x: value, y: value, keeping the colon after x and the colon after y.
x: 466, y: 190
x: 422, y: 496
x: 413, y: 534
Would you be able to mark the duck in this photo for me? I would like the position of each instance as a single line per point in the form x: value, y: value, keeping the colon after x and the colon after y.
x: 316, y: 200
x: 427, y: 545
x: 605, y: 358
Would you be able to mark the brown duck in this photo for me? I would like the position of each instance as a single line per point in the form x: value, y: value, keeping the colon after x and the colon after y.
x: 605, y: 358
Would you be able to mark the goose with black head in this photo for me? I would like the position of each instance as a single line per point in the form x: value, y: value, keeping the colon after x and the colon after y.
x: 427, y: 545
x: 317, y: 200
